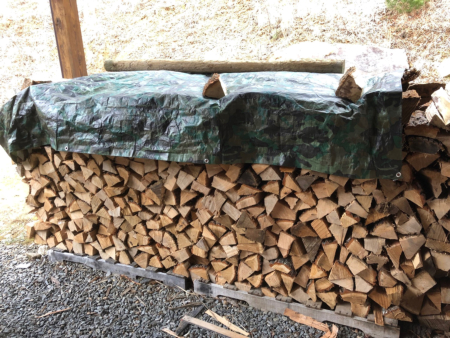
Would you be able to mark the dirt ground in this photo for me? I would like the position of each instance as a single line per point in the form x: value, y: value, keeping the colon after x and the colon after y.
x: 13, y: 211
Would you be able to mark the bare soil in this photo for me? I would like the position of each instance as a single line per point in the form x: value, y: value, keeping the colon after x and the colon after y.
x: 13, y: 210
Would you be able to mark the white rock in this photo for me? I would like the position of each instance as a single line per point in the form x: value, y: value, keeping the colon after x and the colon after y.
x: 33, y: 255
x: 23, y: 266
x: 42, y: 250
x: 444, y: 68
x: 442, y: 102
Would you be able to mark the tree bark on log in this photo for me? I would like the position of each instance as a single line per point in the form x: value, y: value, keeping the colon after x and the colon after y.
x: 206, y: 67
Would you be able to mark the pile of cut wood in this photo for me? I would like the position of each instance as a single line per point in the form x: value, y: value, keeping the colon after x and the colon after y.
x: 379, y: 245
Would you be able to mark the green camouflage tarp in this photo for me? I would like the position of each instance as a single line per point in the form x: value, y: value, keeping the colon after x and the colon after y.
x: 279, y: 118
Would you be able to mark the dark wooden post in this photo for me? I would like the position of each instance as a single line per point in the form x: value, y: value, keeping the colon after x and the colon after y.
x: 68, y: 38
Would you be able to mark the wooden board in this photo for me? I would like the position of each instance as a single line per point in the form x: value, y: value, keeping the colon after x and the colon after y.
x: 121, y: 269
x: 68, y: 38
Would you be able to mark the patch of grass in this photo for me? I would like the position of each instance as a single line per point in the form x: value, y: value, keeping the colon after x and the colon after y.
x: 405, y: 6
x: 278, y: 34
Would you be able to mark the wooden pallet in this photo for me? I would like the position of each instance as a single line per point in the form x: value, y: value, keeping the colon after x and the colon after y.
x: 96, y: 263
x: 389, y: 330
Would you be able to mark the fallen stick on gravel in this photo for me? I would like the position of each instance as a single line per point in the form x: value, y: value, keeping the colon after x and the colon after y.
x: 126, y: 277
x: 331, y: 334
x: 184, y: 325
x: 226, y: 322
x: 185, y: 305
x: 53, y: 312
x: 94, y: 279
x: 211, y: 327
x: 305, y: 320
x: 169, y: 331
x: 141, y: 301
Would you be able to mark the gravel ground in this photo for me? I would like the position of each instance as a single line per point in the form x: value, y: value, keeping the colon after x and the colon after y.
x: 105, y: 305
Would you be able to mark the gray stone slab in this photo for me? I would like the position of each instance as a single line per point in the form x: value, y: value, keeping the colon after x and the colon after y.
x: 273, y: 305
x: 120, y: 269
x: 369, y: 60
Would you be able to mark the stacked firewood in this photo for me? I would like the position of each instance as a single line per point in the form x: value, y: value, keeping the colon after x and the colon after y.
x: 379, y: 245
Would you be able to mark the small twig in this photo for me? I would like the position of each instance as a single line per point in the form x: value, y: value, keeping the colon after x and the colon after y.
x: 176, y: 297
x: 125, y: 292
x: 126, y: 277
x: 169, y: 331
x: 186, y: 305
x: 53, y: 312
x: 141, y: 301
x: 94, y: 279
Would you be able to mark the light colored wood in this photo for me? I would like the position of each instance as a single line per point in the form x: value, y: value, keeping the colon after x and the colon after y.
x: 423, y: 282
x: 273, y: 279
x: 441, y: 260
x: 356, y: 265
x: 399, y: 314
x: 341, y: 276
x: 385, y: 279
x: 384, y: 229
x: 338, y: 232
x: 348, y: 88
x: 222, y: 183
x: 321, y: 228
x: 374, y: 244
x: 68, y: 38
x: 211, y: 327
x: 325, y: 206
x: 361, y: 285
x: 299, y: 295
x: 395, y: 294
x: 379, y: 296
x: 170, y: 332
x: 214, y: 88
x: 355, y: 247
x: 208, y: 67
x: 411, y: 244
x: 348, y: 219
x: 282, y: 211
x: 226, y: 322
x: 244, y: 271
x: 305, y: 320
x: 316, y: 273
x: 324, y: 189
x: 330, y: 298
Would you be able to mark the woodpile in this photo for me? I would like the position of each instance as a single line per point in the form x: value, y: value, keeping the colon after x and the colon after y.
x: 379, y: 245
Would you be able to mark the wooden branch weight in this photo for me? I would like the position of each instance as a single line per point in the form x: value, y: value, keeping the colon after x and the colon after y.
x: 208, y: 67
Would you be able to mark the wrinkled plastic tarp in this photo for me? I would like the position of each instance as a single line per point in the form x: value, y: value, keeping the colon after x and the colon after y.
x: 279, y: 118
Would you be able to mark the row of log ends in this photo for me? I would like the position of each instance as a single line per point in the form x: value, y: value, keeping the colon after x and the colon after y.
x: 380, y: 246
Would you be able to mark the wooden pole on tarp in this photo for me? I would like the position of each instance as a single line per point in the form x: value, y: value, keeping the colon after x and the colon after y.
x: 66, y: 25
x: 202, y: 67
